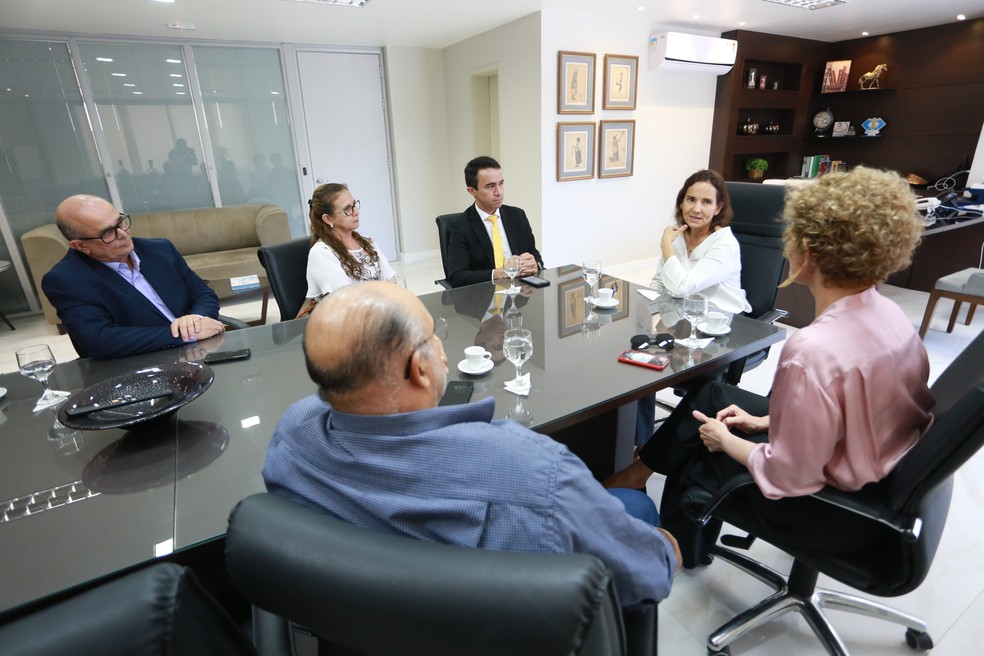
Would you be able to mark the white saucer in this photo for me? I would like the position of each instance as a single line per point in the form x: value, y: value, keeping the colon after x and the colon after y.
x: 604, y: 303
x: 485, y: 368
x: 702, y: 327
x: 3, y: 392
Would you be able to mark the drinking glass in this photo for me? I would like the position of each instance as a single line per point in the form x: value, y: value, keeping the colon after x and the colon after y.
x: 517, y: 346
x: 591, y: 270
x: 38, y: 362
x: 694, y: 311
x: 511, y: 267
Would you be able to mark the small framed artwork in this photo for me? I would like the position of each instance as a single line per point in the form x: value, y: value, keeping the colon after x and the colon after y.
x: 571, y: 304
x: 835, y: 76
x: 620, y: 82
x: 575, y: 151
x: 575, y: 82
x: 616, y: 149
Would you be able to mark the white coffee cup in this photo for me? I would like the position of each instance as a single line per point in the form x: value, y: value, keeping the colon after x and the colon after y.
x: 476, y: 356
x: 717, y: 321
x: 606, y: 294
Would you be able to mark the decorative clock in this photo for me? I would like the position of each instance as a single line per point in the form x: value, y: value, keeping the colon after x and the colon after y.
x: 823, y: 120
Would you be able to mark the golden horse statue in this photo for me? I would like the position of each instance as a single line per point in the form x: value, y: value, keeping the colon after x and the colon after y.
x: 871, y: 77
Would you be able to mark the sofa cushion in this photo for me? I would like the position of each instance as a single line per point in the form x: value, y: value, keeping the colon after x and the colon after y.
x: 204, y: 230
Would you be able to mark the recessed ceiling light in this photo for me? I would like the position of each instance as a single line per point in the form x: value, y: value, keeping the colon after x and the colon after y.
x: 864, y: 34
x: 176, y: 75
x: 344, y: 3
x: 178, y: 85
x: 104, y: 59
x: 179, y: 93
x: 961, y: 17
x: 640, y: 8
x: 173, y: 61
x: 127, y: 84
x: 695, y: 16
x: 165, y: 1
x: 274, y: 93
x: 118, y: 74
x: 809, y: 4
x: 138, y: 93
x: 741, y: 23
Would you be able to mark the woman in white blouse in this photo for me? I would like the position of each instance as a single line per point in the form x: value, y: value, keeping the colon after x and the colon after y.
x: 339, y: 255
x: 699, y: 254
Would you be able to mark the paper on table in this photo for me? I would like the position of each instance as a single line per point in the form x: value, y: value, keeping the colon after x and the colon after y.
x: 650, y: 294
x: 519, y: 386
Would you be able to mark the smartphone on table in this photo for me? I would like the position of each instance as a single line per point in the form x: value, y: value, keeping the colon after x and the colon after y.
x: 643, y: 359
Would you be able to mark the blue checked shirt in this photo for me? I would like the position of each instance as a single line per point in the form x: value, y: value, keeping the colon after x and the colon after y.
x: 451, y: 474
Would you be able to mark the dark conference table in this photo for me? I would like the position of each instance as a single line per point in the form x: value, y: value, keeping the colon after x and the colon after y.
x: 104, y: 501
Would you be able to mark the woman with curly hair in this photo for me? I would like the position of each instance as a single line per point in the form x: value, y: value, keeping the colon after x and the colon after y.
x: 850, y: 395
x: 339, y: 255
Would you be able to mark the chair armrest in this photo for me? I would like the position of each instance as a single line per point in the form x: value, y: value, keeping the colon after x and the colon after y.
x: 855, y: 502
x: 443, y: 282
x: 773, y: 316
x: 232, y: 323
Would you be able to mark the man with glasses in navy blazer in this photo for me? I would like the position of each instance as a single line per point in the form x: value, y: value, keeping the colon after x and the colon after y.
x: 471, y: 239
x: 117, y: 295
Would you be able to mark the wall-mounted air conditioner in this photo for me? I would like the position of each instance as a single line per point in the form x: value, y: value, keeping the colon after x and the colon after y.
x: 676, y: 51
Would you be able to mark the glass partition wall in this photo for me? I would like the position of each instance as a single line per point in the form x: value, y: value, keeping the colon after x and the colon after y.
x: 150, y: 126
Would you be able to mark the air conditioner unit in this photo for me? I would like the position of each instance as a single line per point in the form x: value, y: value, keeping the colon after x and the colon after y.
x: 676, y: 51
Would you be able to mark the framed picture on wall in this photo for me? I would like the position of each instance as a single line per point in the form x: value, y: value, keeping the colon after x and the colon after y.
x: 616, y: 149
x: 575, y: 151
x: 621, y: 75
x: 575, y: 82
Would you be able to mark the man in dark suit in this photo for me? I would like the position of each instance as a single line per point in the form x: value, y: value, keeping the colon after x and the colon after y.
x: 472, y: 240
x: 116, y: 295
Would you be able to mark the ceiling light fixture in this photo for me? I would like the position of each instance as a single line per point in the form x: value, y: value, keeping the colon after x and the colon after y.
x: 118, y: 74
x: 864, y: 34
x: 640, y: 8
x: 961, y: 17
x: 343, y: 3
x: 165, y: 1
x: 104, y: 59
x: 172, y: 61
x: 809, y: 4
x: 741, y: 23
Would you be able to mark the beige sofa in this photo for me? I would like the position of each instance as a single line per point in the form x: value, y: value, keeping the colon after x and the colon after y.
x: 217, y: 243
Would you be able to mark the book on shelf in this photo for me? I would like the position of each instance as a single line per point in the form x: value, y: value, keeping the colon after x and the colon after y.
x: 815, y: 165
x: 835, y: 76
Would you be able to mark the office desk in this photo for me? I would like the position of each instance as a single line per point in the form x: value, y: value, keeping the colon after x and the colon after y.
x: 167, y: 486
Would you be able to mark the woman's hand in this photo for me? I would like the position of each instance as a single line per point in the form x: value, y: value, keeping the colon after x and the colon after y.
x: 735, y: 417
x: 669, y: 234
x: 716, y: 437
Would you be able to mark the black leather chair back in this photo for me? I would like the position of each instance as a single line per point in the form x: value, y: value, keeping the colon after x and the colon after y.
x: 286, y: 267
x: 443, y: 231
x: 758, y: 229
x: 379, y: 594
x: 161, y: 610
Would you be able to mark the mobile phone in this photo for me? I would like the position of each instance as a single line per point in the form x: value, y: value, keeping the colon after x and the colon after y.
x: 223, y: 356
x: 643, y: 359
x: 457, y: 392
x: 534, y: 281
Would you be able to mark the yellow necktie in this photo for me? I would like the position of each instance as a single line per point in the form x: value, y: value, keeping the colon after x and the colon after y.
x: 497, y: 253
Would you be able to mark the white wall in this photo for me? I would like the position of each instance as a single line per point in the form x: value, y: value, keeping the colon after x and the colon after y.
x: 620, y: 219
x: 512, y: 51
x: 415, y: 91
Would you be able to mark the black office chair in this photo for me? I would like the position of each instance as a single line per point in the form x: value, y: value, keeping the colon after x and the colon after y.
x: 286, y: 267
x: 906, y: 512
x: 160, y: 610
x: 757, y: 227
x: 443, y: 234
x: 372, y: 593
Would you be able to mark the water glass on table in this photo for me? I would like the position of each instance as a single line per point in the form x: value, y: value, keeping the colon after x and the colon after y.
x: 591, y: 270
x: 694, y: 311
x: 38, y: 362
x: 517, y: 346
x: 512, y: 268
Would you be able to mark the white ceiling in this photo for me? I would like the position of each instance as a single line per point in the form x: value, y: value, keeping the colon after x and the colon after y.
x: 439, y: 23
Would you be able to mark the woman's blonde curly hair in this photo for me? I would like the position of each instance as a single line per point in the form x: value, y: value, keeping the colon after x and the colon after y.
x: 858, y: 227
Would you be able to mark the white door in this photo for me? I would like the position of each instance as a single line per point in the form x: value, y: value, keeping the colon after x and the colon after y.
x: 347, y: 137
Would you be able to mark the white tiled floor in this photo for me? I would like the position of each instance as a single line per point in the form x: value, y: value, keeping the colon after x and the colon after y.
x: 951, y: 599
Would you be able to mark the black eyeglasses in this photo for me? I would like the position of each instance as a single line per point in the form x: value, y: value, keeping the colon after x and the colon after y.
x: 108, y: 236
x: 440, y: 331
x: 347, y: 211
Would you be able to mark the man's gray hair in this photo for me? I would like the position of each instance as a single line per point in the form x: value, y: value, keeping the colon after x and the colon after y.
x: 69, y: 231
x: 383, y: 330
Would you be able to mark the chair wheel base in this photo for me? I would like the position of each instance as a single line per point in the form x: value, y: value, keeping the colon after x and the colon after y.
x: 723, y: 651
x: 918, y: 640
